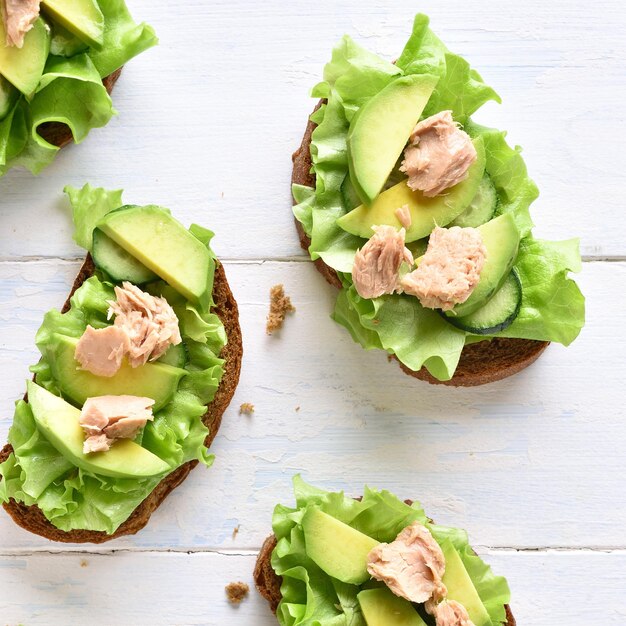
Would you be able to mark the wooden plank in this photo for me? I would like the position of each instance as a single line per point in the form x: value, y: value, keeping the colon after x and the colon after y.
x: 208, y: 119
x: 516, y: 462
x: 188, y: 589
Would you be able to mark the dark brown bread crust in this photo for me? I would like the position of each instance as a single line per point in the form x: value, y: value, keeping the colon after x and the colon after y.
x: 268, y: 582
x: 32, y: 518
x: 59, y: 134
x: 480, y: 363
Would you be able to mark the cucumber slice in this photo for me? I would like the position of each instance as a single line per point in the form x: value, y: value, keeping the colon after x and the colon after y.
x: 482, y: 207
x: 499, y: 312
x: 116, y: 262
x: 176, y: 356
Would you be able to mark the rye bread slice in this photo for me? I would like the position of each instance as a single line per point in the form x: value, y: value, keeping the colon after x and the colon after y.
x: 32, y: 518
x: 268, y: 582
x: 59, y: 134
x: 480, y: 363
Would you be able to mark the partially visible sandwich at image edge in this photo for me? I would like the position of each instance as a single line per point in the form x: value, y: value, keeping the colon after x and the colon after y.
x: 59, y: 62
x: 373, y: 561
x: 136, y: 371
x: 420, y: 218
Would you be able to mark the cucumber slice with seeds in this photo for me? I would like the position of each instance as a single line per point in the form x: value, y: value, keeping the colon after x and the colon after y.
x: 498, y: 314
x: 482, y: 207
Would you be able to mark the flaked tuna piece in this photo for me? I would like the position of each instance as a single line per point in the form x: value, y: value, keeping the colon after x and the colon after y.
x: 100, y: 351
x: 107, y: 418
x: 404, y: 216
x: 449, y: 613
x: 19, y: 17
x: 377, y: 263
x: 438, y: 155
x: 149, y: 322
x: 411, y: 566
x: 449, y: 270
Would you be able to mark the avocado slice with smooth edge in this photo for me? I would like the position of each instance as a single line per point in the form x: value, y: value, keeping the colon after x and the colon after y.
x: 501, y: 239
x: 381, y: 129
x: 155, y: 380
x: 23, y: 67
x: 426, y: 213
x: 380, y: 607
x: 165, y: 246
x: 59, y: 422
x: 338, y: 549
x: 461, y: 588
x: 83, y: 18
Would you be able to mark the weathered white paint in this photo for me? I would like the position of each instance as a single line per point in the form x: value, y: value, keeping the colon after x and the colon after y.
x: 207, y: 124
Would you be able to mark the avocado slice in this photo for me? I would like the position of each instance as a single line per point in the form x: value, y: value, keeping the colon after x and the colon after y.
x: 59, y: 423
x: 338, y: 549
x: 426, y: 213
x: 501, y: 239
x: 81, y: 17
x: 23, y: 67
x: 155, y: 380
x: 381, y: 129
x: 461, y: 588
x: 165, y: 246
x: 380, y: 607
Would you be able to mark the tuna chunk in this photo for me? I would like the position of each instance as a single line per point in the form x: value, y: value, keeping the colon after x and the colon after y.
x: 101, y: 351
x: 149, y: 322
x: 404, y: 216
x: 376, y: 264
x: 450, y: 268
x: 107, y: 418
x: 449, y: 613
x: 411, y: 566
x: 19, y: 16
x: 438, y: 155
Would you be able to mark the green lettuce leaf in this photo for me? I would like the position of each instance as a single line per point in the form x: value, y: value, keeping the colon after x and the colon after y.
x: 71, y: 91
x: 398, y: 324
x: 36, y: 473
x: 311, y: 597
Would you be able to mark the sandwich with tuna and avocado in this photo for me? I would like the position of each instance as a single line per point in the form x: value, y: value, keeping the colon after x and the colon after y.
x: 59, y: 60
x: 420, y: 217
x: 373, y: 561
x: 135, y: 374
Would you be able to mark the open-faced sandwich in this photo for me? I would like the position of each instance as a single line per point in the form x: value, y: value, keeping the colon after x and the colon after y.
x: 373, y: 561
x: 134, y: 376
x: 59, y: 60
x: 421, y: 218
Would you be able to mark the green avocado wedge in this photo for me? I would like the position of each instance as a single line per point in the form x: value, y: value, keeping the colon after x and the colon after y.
x: 461, y: 588
x: 380, y: 607
x: 381, y: 129
x: 165, y: 246
x: 158, y: 381
x: 338, y: 549
x: 501, y: 239
x: 23, y: 67
x: 83, y: 18
x: 59, y: 423
x: 426, y: 213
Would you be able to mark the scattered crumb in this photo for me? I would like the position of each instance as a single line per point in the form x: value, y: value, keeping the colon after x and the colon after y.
x: 84, y: 562
x: 390, y: 357
x: 280, y: 305
x: 246, y: 408
x: 222, y: 194
x: 297, y: 409
x: 237, y: 592
x: 236, y: 531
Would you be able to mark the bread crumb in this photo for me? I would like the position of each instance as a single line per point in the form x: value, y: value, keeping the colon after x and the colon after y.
x: 237, y: 592
x: 84, y: 562
x: 297, y: 409
x: 246, y: 408
x: 236, y: 531
x: 280, y: 305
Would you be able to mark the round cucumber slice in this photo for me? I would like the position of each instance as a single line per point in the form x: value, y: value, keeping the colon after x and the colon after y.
x: 482, y: 207
x: 499, y: 312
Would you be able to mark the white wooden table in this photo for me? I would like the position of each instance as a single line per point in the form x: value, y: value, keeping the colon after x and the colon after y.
x: 534, y: 467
